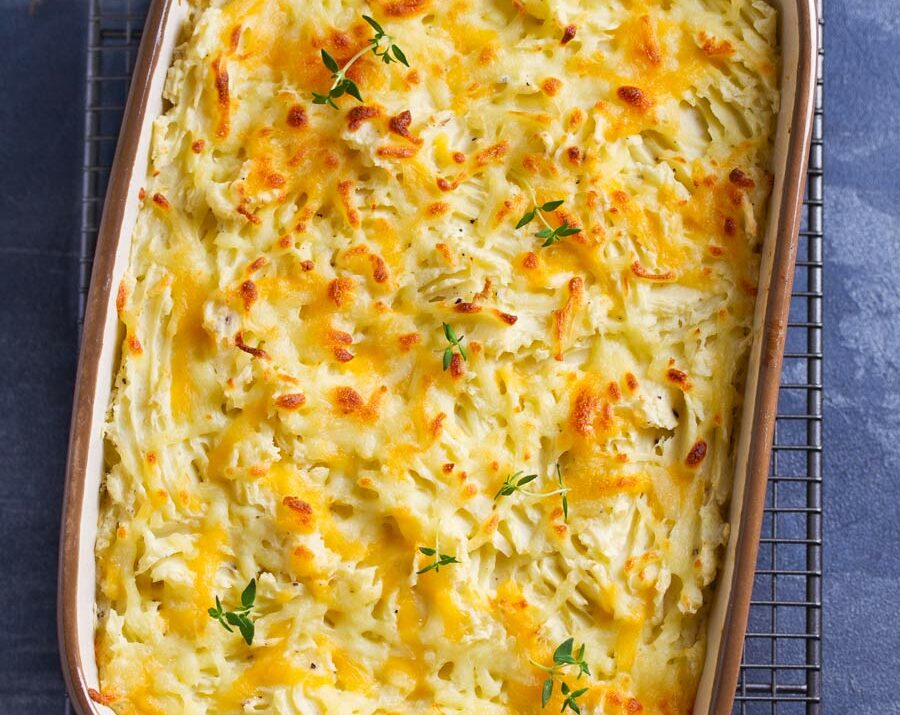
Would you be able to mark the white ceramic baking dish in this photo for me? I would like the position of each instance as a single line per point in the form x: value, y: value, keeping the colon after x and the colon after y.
x: 102, y: 338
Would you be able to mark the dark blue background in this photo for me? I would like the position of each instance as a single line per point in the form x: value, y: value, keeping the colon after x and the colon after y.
x: 42, y: 60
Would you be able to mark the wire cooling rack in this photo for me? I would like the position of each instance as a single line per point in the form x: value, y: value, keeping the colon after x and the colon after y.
x: 781, y: 669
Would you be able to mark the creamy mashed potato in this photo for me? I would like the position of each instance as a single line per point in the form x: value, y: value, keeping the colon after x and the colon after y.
x: 281, y: 411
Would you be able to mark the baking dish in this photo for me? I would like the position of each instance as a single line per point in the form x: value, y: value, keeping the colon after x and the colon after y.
x: 101, y: 340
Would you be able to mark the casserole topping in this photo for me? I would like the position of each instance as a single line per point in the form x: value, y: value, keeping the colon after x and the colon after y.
x: 439, y: 382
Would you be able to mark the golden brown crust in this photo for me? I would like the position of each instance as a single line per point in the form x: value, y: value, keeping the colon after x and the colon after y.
x: 340, y: 290
x: 249, y: 293
x: 409, y: 340
x: 296, y: 117
x: 739, y: 178
x: 250, y: 350
x: 507, y: 318
x: 400, y: 125
x: 121, y: 298
x: 291, y: 401
x: 359, y: 114
x: 392, y: 151
x: 679, y: 378
x: 101, y: 698
x: 492, y: 153
x: 223, y: 98
x: 467, y: 308
x: 697, y: 454
x: 405, y: 8
x: 634, y: 97
x: 562, y: 318
x: 584, y: 408
x: 457, y: 366
x: 301, y: 510
x: 642, y: 272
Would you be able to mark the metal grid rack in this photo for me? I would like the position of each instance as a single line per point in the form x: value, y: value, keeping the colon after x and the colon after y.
x: 781, y: 672
x: 781, y: 669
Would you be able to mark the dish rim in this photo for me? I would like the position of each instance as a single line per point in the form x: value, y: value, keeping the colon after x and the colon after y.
x: 773, y: 332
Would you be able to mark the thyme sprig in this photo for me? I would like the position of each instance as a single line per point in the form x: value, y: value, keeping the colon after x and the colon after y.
x: 564, y: 490
x: 536, y: 210
x: 389, y: 46
x: 548, y: 233
x: 564, y: 657
x: 455, y: 342
x: 439, y: 558
x: 570, y: 696
x: 552, y: 235
x: 381, y: 45
x: 513, y: 483
x: 238, y: 618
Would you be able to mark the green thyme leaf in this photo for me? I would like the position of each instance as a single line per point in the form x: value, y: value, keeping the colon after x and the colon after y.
x: 513, y: 483
x: 330, y: 62
x: 552, y: 205
x: 247, y: 630
x: 564, y: 491
x: 563, y: 652
x: 351, y: 89
x: 239, y: 618
x: 217, y: 611
x: 439, y: 559
x: 249, y: 594
x: 455, y: 342
x: 375, y: 26
x: 547, y: 691
x: 398, y: 53
x: 233, y: 618
x: 504, y: 491
x: 527, y: 218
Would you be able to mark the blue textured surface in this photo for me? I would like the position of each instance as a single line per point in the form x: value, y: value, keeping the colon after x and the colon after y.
x: 862, y: 358
x: 41, y: 63
x: 42, y: 87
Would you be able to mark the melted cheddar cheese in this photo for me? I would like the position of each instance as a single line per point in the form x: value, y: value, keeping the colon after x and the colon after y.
x: 281, y: 411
